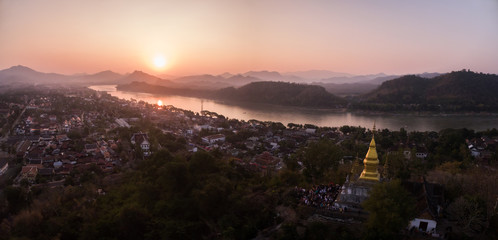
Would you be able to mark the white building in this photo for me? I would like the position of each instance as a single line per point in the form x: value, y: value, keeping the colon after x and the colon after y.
x: 214, y: 138
x: 143, y: 140
x: 423, y: 225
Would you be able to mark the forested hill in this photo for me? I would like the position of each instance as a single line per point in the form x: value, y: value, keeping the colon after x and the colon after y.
x: 462, y: 91
x: 279, y: 93
x: 283, y: 93
x: 455, y: 91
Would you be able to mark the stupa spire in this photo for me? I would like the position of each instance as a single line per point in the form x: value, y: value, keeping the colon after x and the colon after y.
x: 371, y: 162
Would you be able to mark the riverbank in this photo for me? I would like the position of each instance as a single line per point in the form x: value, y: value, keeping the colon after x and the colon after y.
x: 415, y: 121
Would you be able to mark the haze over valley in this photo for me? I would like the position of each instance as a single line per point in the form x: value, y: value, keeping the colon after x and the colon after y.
x: 337, y: 83
x: 461, y: 91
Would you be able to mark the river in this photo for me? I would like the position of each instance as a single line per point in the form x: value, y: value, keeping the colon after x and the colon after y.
x: 330, y: 118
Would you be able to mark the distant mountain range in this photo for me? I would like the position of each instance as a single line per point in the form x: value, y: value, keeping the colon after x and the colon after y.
x: 451, y: 92
x: 455, y: 91
x: 21, y: 75
x: 334, y: 82
x: 316, y: 75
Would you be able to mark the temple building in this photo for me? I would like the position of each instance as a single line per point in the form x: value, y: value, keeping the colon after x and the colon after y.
x: 357, y: 186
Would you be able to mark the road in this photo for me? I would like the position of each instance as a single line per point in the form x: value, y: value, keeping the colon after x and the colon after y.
x: 6, y: 136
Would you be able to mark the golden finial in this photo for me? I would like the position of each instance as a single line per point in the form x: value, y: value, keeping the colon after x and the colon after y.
x: 371, y: 162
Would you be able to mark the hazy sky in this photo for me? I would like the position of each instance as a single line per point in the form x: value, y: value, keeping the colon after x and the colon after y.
x: 391, y: 36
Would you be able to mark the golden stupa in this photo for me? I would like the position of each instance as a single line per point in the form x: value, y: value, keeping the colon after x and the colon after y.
x: 371, y: 163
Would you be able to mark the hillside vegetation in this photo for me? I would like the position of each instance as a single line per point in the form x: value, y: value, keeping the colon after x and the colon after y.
x: 282, y: 93
x: 455, y: 91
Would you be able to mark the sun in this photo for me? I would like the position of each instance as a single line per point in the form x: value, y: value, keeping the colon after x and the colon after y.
x: 159, y: 103
x: 159, y: 61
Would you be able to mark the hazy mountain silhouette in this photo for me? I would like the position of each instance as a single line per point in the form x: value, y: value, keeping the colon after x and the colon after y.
x: 265, y: 75
x: 240, y: 80
x: 455, y: 91
x: 199, y: 78
x: 337, y: 83
x: 210, y: 82
x: 104, y: 77
x: 107, y: 75
x: 226, y: 75
x: 273, y: 76
x: 362, y: 87
x: 352, y: 79
x: 380, y: 80
x: 139, y: 76
x: 206, y: 81
x: 24, y: 75
x: 462, y: 90
x: 316, y: 75
x: 21, y: 74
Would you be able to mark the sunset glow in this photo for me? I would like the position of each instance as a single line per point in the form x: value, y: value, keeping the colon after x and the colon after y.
x: 159, y: 103
x: 159, y: 61
x: 213, y: 37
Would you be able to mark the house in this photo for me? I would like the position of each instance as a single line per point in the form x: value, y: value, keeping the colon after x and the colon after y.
x: 473, y: 151
x: 310, y: 130
x: 192, y: 148
x: 274, y: 145
x: 423, y: 225
x: 421, y: 152
x: 46, y: 172
x: 62, y: 138
x: 52, y: 130
x: 29, y: 172
x: 267, y: 162
x: 122, y: 123
x: 143, y: 141
x: 57, y: 164
x: 29, y: 120
x: 23, y: 148
x: 407, y: 154
x: 35, y: 155
x: 66, y: 126
x: 214, y: 138
x: 422, y: 155
x: 203, y: 127
x: 254, y: 139
x: 35, y: 161
x: 251, y: 145
x: 91, y: 148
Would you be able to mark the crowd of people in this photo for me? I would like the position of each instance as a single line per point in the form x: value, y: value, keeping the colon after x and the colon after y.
x: 320, y: 196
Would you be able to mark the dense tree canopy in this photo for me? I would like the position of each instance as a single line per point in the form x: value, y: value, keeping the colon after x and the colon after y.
x: 319, y: 157
x: 391, y: 207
